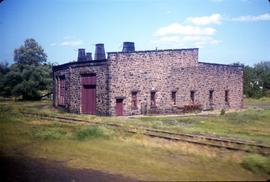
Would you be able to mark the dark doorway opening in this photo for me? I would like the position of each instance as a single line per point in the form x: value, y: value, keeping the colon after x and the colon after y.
x: 119, y: 107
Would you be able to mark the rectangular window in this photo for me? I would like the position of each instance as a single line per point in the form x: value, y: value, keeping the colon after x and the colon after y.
x: 174, y: 97
x: 153, y: 99
x: 227, y: 96
x: 192, y: 96
x: 134, y: 100
x: 211, y: 96
x: 61, y: 91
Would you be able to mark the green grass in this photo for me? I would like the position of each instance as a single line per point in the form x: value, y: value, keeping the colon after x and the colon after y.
x: 143, y: 158
x: 251, y: 102
x: 94, y: 132
x: 248, y: 125
x: 251, y: 125
x: 257, y: 163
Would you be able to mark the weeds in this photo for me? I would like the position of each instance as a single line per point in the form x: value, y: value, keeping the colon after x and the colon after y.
x: 257, y: 163
x: 93, y: 132
x: 48, y: 135
x: 222, y: 112
x: 150, y: 160
x: 244, y: 117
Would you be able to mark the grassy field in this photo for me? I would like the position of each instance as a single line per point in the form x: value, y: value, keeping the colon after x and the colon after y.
x: 137, y: 156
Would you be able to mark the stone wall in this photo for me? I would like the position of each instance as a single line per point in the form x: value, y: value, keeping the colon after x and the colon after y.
x: 161, y: 71
x: 72, y: 74
x: 145, y: 71
x: 206, y: 77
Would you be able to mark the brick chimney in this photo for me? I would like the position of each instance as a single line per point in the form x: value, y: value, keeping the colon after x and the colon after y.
x: 81, y: 55
x: 128, y: 47
x: 88, y: 56
x: 100, y: 52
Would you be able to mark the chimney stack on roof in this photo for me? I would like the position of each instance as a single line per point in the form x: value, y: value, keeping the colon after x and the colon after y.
x: 128, y: 47
x: 100, y: 52
x: 81, y: 55
x: 88, y: 56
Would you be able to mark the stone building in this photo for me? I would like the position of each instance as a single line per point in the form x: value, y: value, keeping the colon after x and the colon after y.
x: 140, y: 82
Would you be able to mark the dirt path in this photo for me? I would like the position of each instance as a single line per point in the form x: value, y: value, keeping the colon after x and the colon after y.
x: 28, y: 169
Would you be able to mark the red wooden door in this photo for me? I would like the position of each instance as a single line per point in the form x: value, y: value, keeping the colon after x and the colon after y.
x: 88, y: 99
x: 119, y: 107
x: 61, y: 100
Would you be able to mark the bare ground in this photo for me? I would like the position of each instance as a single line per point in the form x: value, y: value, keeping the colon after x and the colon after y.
x: 33, y: 170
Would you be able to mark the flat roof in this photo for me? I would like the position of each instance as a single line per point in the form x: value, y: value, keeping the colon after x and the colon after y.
x: 155, y: 50
x: 79, y: 63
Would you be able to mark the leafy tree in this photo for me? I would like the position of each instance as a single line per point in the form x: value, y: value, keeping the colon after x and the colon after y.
x: 257, y: 80
x: 4, y: 69
x: 32, y: 82
x: 30, y: 54
x: 262, y: 71
x: 29, y: 77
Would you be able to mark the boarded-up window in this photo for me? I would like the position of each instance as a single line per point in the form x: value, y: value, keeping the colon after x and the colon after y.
x: 61, y: 98
x: 211, y: 96
x: 174, y: 97
x: 153, y: 99
x: 227, y: 96
x: 134, y: 100
x: 192, y: 96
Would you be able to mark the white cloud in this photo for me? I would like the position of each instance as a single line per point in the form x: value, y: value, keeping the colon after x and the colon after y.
x: 206, y: 20
x: 262, y: 17
x: 196, y: 33
x: 178, y: 29
x: 169, y: 38
x: 69, y: 42
x: 177, y: 34
x: 200, y: 41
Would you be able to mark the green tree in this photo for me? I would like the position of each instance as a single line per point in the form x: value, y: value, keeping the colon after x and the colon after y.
x: 4, y: 69
x: 262, y: 71
x: 257, y: 80
x: 31, y: 53
x: 32, y: 82
x: 29, y: 77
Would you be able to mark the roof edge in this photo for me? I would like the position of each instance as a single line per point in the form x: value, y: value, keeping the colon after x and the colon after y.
x: 158, y: 50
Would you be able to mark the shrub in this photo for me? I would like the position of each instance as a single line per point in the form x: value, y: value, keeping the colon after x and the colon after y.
x: 48, y: 135
x: 93, y: 132
x: 245, y: 117
x: 257, y: 163
x: 222, y: 112
x: 5, y: 108
x: 192, y: 108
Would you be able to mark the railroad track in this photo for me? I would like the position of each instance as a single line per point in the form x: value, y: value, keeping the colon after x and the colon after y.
x: 204, y: 140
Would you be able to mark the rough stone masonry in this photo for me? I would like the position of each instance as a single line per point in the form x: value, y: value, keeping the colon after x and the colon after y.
x: 142, y: 82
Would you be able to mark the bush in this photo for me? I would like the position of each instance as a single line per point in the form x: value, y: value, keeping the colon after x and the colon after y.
x: 257, y: 163
x: 49, y: 134
x: 4, y: 108
x: 93, y: 132
x: 222, y: 112
x: 245, y: 117
x: 192, y: 108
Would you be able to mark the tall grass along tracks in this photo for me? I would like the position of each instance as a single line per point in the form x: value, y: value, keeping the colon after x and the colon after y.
x: 198, y: 139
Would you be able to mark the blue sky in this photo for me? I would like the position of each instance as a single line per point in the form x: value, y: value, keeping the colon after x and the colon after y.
x: 226, y: 31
